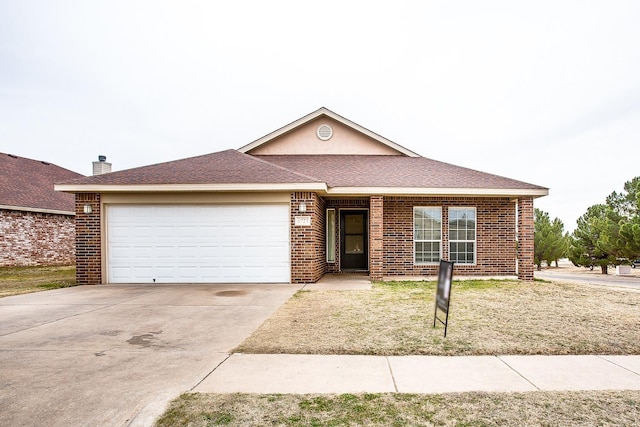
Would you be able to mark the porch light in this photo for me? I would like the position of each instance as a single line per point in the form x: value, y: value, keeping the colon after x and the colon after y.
x: 302, y: 207
x: 88, y: 209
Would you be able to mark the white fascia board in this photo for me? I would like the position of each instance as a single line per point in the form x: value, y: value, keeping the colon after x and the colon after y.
x: 38, y: 210
x: 326, y: 112
x: 479, y: 192
x: 147, y: 188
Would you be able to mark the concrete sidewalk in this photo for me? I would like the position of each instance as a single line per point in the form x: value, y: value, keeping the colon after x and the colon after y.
x: 286, y: 373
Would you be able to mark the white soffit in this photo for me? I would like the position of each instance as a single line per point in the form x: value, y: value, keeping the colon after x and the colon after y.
x: 321, y: 188
x: 102, y: 188
x: 411, y: 191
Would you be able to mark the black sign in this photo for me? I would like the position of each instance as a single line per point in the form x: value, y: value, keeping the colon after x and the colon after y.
x: 443, y: 293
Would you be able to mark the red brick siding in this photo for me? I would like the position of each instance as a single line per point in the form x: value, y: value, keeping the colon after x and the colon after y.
x: 338, y: 204
x: 88, y: 240
x: 376, y: 237
x: 308, y: 251
x: 495, y: 219
x: 525, y: 238
x: 34, y: 238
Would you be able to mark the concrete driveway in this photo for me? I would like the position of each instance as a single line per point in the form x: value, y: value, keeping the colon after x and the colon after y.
x: 115, y: 355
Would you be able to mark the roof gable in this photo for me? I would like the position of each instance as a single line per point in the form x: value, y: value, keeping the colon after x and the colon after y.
x: 305, y: 136
x: 392, y: 170
x: 27, y: 184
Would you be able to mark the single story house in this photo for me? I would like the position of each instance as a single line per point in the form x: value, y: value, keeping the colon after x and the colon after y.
x: 37, y: 224
x: 319, y: 195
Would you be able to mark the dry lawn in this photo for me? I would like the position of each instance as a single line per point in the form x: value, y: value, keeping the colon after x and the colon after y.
x: 620, y: 408
x: 23, y: 280
x: 486, y: 317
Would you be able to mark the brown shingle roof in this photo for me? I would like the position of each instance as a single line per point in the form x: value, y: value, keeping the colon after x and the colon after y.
x: 392, y: 171
x: 28, y: 183
x: 234, y: 167
x: 224, y: 167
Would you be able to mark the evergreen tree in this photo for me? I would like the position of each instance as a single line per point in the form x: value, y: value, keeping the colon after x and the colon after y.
x: 625, y: 208
x: 550, y: 244
x: 593, y: 242
x: 560, y: 245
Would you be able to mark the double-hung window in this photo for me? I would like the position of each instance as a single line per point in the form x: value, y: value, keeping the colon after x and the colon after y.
x: 462, y: 235
x: 427, y: 234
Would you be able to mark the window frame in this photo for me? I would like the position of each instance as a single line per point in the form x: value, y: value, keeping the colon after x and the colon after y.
x: 330, y: 239
x: 475, y: 234
x: 415, y: 241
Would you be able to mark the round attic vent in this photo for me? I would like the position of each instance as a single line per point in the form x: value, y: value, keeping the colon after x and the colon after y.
x: 324, y: 132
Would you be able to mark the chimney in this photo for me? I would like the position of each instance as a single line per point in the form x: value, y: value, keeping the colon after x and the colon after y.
x: 101, y: 166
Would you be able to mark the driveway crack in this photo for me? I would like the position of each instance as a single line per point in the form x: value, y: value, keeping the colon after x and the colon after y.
x: 211, y: 372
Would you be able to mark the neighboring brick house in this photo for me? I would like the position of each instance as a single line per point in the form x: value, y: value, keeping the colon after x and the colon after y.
x: 37, y: 224
x: 320, y: 195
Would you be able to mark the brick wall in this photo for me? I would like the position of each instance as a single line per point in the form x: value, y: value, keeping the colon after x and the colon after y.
x: 526, y: 230
x: 496, y: 248
x: 34, y: 238
x: 88, y: 240
x: 308, y: 252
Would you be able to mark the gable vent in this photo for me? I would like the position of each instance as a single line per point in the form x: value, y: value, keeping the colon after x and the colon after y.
x: 324, y: 132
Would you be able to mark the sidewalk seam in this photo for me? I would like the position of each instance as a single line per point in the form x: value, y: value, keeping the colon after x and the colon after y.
x: 603, y: 357
x: 519, y: 374
x: 211, y: 372
x: 393, y: 379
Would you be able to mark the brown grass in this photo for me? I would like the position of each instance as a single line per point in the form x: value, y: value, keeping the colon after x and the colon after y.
x: 486, y: 317
x: 464, y: 409
x: 23, y: 280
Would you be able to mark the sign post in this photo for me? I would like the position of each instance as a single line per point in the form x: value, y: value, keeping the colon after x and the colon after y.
x: 443, y: 293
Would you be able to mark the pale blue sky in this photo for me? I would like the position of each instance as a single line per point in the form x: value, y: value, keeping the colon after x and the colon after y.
x: 547, y: 92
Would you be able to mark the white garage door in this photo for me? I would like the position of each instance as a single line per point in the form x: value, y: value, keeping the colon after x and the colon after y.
x: 198, y: 244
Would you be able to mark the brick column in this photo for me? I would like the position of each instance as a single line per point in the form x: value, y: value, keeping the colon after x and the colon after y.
x: 525, y: 238
x: 308, y: 256
x: 376, y: 235
x: 88, y: 240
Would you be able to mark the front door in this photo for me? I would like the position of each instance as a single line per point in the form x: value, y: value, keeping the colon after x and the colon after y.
x: 354, y: 242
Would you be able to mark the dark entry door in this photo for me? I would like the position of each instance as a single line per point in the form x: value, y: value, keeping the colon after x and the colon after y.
x: 354, y: 240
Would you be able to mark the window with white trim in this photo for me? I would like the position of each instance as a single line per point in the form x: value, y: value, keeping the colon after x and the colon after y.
x: 427, y: 234
x: 331, y: 235
x: 462, y: 235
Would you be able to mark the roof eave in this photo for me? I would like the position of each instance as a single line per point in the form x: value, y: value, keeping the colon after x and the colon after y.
x: 38, y: 210
x: 326, y: 112
x: 430, y: 191
x: 317, y: 186
x: 170, y: 188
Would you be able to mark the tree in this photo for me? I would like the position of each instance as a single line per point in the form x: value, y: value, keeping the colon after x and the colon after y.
x: 561, y: 242
x: 593, y: 239
x: 550, y: 244
x: 626, y: 209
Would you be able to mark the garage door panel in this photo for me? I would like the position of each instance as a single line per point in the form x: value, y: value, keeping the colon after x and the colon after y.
x: 198, y: 244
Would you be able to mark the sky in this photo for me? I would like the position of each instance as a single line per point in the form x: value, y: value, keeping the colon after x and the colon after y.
x: 546, y: 92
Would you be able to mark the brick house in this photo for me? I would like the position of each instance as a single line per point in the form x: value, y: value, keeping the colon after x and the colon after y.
x: 319, y: 195
x: 37, y: 225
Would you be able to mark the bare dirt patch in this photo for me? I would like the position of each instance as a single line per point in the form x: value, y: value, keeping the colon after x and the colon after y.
x: 463, y: 409
x: 486, y: 317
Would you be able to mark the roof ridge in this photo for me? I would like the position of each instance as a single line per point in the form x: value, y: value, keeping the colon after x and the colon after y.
x: 251, y: 156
